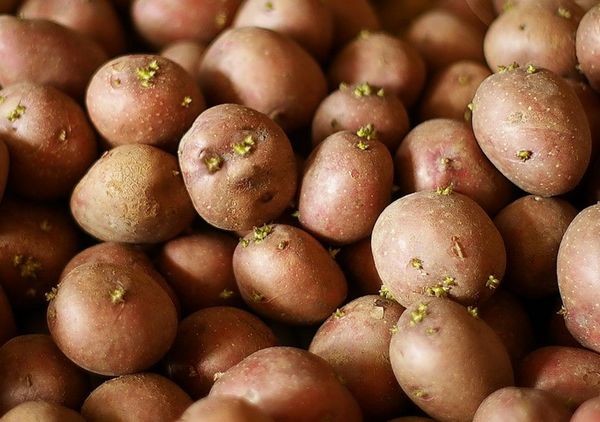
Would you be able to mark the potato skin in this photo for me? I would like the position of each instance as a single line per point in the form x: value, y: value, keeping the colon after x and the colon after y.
x: 128, y: 105
x: 111, y: 320
x: 588, y: 411
x: 466, y: 265
x: 133, y: 194
x: 426, y: 332
x: 350, y: 17
x: 186, y: 54
x: 47, y: 53
x: 4, y: 167
x: 358, y: 265
x: 588, y: 37
x: 532, y: 127
x: 347, y: 182
x: 264, y: 379
x: 242, y: 190
x: 223, y: 409
x: 41, y: 411
x: 50, y: 140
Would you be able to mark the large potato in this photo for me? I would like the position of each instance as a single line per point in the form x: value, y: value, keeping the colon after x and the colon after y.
x: 532, y: 127
x: 588, y: 37
x: 223, y: 409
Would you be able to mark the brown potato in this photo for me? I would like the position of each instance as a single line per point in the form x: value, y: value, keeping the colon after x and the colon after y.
x: 7, y: 321
x: 588, y: 411
x: 223, y: 409
x: 133, y: 194
x: 187, y: 54
x: 4, y: 166
x: 41, y: 411
x: 350, y: 17
x: 588, y: 36
x: 358, y: 265
x: 591, y: 105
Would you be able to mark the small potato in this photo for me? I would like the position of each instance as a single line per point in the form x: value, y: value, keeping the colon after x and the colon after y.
x: 47, y: 53
x: 467, y: 262
x: 358, y: 265
x: 49, y: 138
x: 32, y: 368
x: 444, y: 152
x: 477, y: 12
x: 187, y: 54
x: 447, y: 360
x: 285, y: 274
x: 211, y: 341
x: 41, y: 411
x: 588, y: 37
x: 133, y: 194
x: 381, y: 60
x: 111, y: 320
x: 4, y: 166
x: 143, y: 99
x: 355, y: 106
x: 350, y: 17
x: 264, y: 378
x: 347, y: 182
x: 532, y: 127
x: 521, y: 405
x: 96, y: 19
x: 238, y: 167
x: 308, y: 22
x: 588, y: 411
x: 133, y: 398
x: 286, y: 84
x: 223, y: 409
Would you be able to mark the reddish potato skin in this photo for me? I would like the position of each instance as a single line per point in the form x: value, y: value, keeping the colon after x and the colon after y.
x: 345, y: 187
x: 95, y: 19
x: 350, y: 108
x: 381, y: 60
x: 577, y: 268
x: 41, y: 411
x: 51, y: 143
x: 588, y: 411
x: 32, y: 368
x: 358, y: 265
x: 451, y: 89
x: 245, y: 190
x: 511, y: 117
x: 591, y: 105
x: 47, y: 53
x: 7, y: 321
x: 187, y: 54
x: 469, y: 248
x: 4, y: 166
x: 127, y: 109
x: 138, y: 397
x: 355, y: 342
x: 211, y: 341
x: 444, y: 152
x: 288, y: 276
x: 588, y: 37
x: 290, y: 385
x: 571, y: 374
x: 223, y: 409
x: 521, y: 405
x: 418, y: 352
x: 110, y: 333
x: 350, y: 17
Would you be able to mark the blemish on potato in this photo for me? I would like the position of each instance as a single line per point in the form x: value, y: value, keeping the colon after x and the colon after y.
x: 187, y: 100
x: 431, y: 330
x: 51, y: 294
x: 226, y: 294
x: 473, y: 311
x: 2, y: 98
x: 28, y: 380
x: 244, y: 242
x: 118, y: 295
x: 522, y: 27
x: 269, y: 6
x: 27, y: 266
x: 416, y: 263
x: 175, y: 173
x: 213, y: 163
x: 524, y: 155
x: 218, y: 375
x: 437, y: 291
x: 419, y: 393
x: 338, y: 314
x: 261, y: 233
x: 257, y: 297
x: 445, y: 191
x: 62, y: 136
x: 146, y: 74
x: 283, y: 245
x: 492, y: 282
x: 245, y: 147
x: 364, y: 34
x: 516, y: 117
x: 418, y: 314
x: 464, y: 80
x: 17, y: 113
x: 531, y: 69
x: 562, y: 311
x: 563, y: 12
x: 333, y: 123
x: 333, y: 251
x: 221, y: 19
x: 385, y: 293
x: 377, y: 312
x: 45, y: 226
x: 457, y: 248
x: 381, y: 92
x: 393, y: 329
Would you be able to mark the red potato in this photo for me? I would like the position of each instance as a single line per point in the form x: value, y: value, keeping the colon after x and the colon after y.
x: 290, y: 385
x: 588, y: 37
x: 350, y: 17
x: 223, y: 409
x: 187, y: 54
x: 588, y: 411
x: 444, y: 152
x: 359, y: 267
x: 591, y: 105
x: 7, y: 321
x: 41, y: 411
x: 4, y: 166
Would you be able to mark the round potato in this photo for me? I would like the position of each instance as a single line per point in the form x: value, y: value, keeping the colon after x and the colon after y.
x: 223, y: 409
x: 350, y: 17
x: 358, y: 265
x: 591, y: 105
x: 588, y: 37
x: 187, y: 54
x: 41, y: 411
x: 588, y: 411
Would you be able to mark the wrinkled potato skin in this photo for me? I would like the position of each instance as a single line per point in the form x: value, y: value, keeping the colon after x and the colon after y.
x: 537, y: 114
x: 246, y: 190
x: 4, y: 167
x: 588, y: 411
x: 588, y: 37
x: 223, y: 409
x: 187, y: 54
x: 41, y: 411
x: 419, y: 355
x: 133, y: 194
x: 47, y: 53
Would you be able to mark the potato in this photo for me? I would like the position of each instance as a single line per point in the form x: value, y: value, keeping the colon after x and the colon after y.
x: 36, y: 241
x: 588, y: 36
x: 223, y: 409
x: 591, y: 105
x: 521, y: 34
x: 41, y: 411
x: 570, y: 374
x: 588, y: 411
x: 4, y: 166
x: 358, y: 265
x: 381, y: 60
x: 7, y: 321
x: 264, y: 377
x: 532, y: 127
x: 442, y: 38
x: 355, y: 106
x: 187, y: 54
x: 32, y: 368
x: 347, y: 182
x: 96, y: 19
x: 308, y: 22
x: 238, y: 167
x: 557, y: 332
x: 211, y: 341
x: 47, y: 53
x: 200, y: 269
x: 199, y: 20
x: 50, y: 140
x: 451, y: 89
x: 350, y: 17
x: 111, y: 320
x: 521, y: 405
x: 286, y: 84
x: 467, y: 264
x: 477, y: 12
x: 283, y: 273
x: 133, y: 194
x: 364, y: 365
x: 143, y: 99
x: 586, y: 4
x: 448, y: 389
x: 443, y: 152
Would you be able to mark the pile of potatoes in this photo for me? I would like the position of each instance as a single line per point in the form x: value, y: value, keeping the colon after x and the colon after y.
x: 300, y: 211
